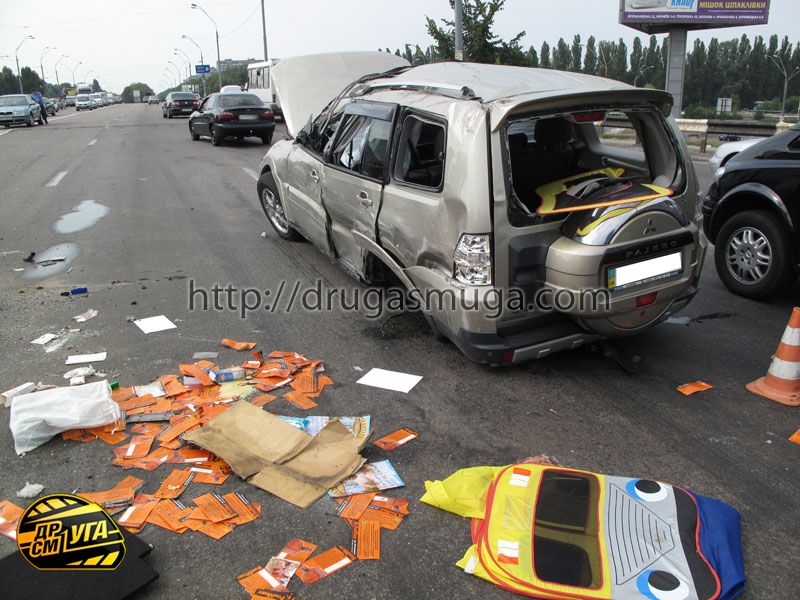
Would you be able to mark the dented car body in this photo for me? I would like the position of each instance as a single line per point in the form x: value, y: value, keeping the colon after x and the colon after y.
x: 491, y: 194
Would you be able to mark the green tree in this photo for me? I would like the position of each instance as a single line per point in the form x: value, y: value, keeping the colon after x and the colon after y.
x: 577, y: 55
x: 533, y: 58
x: 544, y: 56
x: 8, y: 82
x: 562, y: 57
x: 481, y: 44
x: 96, y: 86
x: 637, y: 62
x: 590, y: 62
x: 127, y: 93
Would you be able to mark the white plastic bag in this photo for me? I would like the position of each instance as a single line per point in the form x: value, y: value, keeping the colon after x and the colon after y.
x: 37, y: 417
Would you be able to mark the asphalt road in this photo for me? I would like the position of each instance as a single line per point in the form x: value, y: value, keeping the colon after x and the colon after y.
x: 182, y: 211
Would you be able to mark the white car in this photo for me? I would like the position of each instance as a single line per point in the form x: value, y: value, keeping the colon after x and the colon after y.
x: 725, y: 152
x: 83, y: 102
x: 231, y: 89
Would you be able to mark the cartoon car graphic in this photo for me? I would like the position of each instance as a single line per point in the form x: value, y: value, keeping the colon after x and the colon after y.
x: 555, y: 533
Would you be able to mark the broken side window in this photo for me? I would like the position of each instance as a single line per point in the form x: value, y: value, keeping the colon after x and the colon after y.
x: 421, y: 152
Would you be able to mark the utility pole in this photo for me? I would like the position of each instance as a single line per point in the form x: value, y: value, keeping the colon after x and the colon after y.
x: 459, y: 30
x: 787, y: 77
x: 264, y: 25
x: 16, y: 56
x: 41, y: 59
x: 58, y: 62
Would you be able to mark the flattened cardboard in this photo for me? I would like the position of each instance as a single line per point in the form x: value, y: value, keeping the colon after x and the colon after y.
x: 277, y: 457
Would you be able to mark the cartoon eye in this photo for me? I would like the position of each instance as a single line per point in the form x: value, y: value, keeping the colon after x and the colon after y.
x: 647, y: 490
x: 660, y: 585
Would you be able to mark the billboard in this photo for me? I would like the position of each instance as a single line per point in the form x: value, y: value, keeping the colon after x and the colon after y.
x: 653, y: 16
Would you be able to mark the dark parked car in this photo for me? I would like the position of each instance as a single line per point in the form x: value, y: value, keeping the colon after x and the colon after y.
x: 179, y: 103
x: 752, y: 216
x: 231, y: 114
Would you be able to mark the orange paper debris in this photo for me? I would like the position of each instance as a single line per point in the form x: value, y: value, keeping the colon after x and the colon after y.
x: 692, y: 388
x: 396, y: 439
x: 324, y: 564
x: 237, y: 345
x: 366, y: 540
x: 9, y: 517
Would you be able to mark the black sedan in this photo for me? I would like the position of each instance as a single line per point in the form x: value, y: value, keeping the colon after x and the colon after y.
x: 231, y: 114
x: 752, y: 216
x: 179, y: 103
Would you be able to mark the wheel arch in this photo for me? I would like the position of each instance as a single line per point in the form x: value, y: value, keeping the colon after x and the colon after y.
x: 749, y: 196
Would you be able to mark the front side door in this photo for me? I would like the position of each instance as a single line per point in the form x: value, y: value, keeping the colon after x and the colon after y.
x: 303, y: 204
x: 353, y: 178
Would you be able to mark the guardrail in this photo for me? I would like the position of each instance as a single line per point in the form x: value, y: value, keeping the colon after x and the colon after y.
x: 702, y: 128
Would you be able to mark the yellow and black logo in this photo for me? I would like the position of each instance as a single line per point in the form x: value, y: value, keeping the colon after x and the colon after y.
x: 64, y: 532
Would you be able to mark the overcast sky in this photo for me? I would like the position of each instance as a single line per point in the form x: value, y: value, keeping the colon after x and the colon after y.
x: 121, y: 42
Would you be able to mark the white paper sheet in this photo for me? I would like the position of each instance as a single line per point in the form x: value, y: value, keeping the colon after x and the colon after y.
x: 390, y: 380
x: 77, y: 359
x: 43, y: 339
x: 153, y: 324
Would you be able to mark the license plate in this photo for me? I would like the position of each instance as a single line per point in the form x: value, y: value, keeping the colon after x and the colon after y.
x: 248, y: 117
x: 645, y: 271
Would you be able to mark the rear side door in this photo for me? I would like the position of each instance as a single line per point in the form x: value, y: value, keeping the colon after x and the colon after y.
x: 353, y: 177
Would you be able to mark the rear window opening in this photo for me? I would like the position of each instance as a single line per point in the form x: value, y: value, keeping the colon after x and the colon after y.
x: 556, y: 162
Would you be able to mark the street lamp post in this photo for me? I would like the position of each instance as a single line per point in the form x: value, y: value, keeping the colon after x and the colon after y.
x: 216, y: 32
x: 58, y: 62
x: 86, y: 77
x: 177, y: 69
x: 74, y: 82
x: 186, y: 58
x: 41, y: 59
x: 640, y: 73
x: 264, y: 25
x: 202, y: 62
x: 459, y: 6
x: 787, y: 77
x: 16, y: 56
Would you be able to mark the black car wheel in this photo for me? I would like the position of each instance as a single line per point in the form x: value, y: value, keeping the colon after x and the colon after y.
x: 753, y: 255
x: 29, y: 122
x: 273, y: 208
x: 267, y: 140
x: 216, y: 137
x: 195, y: 137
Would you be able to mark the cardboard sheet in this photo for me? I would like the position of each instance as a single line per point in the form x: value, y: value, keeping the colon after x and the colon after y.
x: 277, y: 457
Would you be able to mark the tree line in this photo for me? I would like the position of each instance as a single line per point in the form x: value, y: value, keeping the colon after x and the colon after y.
x: 31, y: 80
x: 744, y: 70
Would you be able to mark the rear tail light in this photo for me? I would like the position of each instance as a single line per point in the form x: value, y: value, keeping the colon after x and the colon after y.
x: 267, y: 114
x: 646, y: 299
x: 226, y: 116
x: 507, y: 357
x: 473, y: 260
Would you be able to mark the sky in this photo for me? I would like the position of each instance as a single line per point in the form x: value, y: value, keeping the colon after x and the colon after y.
x: 119, y: 42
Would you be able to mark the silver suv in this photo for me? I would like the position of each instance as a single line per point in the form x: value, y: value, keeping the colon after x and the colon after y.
x: 496, y: 195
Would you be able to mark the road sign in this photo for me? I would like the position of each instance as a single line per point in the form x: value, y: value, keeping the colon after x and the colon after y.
x: 202, y: 69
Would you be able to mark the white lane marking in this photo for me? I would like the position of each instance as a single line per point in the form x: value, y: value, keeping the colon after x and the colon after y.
x: 75, y: 114
x: 250, y: 172
x: 57, y: 179
x: 5, y: 131
x: 92, y: 143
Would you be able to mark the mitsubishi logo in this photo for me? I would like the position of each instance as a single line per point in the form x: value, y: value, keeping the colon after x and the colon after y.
x: 650, y: 227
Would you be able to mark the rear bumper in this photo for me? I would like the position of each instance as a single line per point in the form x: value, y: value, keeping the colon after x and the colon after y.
x: 181, y: 111
x: 245, y: 129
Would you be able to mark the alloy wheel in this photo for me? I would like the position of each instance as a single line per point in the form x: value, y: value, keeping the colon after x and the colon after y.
x: 274, y: 209
x: 748, y: 255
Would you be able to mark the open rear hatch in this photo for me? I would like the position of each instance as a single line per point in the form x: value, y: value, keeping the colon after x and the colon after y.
x: 598, y: 219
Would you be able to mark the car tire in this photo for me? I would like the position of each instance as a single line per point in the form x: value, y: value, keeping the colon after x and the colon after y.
x: 747, y: 239
x: 216, y: 138
x: 29, y: 122
x: 195, y: 137
x: 273, y: 208
x: 266, y: 140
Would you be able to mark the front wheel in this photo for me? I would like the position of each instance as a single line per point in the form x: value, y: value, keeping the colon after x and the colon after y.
x: 273, y: 208
x: 753, y: 255
x: 195, y: 137
x: 267, y: 139
x: 216, y: 137
x: 29, y: 122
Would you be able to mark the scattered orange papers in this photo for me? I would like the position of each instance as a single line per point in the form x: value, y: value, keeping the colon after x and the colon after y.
x: 169, y: 515
x: 256, y: 580
x: 238, y: 345
x: 385, y: 518
x: 262, y: 400
x: 120, y: 495
x: 271, y: 595
x: 795, y: 437
x: 352, y: 507
x: 397, y: 505
x: 78, y: 435
x: 245, y: 511
x: 194, y: 371
x: 136, y: 515
x: 396, y: 439
x: 111, y: 434
x: 178, y: 428
x: 324, y: 564
x: 189, y: 455
x: 213, y: 472
x: 138, y: 447
x: 271, y: 383
x: 311, y: 383
x: 9, y: 517
x: 297, y: 550
x: 300, y: 400
x: 366, y: 540
x: 694, y: 387
x: 175, y: 483
x: 215, y: 508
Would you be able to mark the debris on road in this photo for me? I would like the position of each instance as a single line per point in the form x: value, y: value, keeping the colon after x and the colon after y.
x: 79, y: 290
x: 25, y: 388
x: 322, y: 565
x: 373, y: 477
x: 85, y: 316
x: 31, y: 490
x: 396, y: 439
x: 520, y: 514
x: 154, y: 324
x: 77, y: 359
x: 795, y: 437
x: 390, y: 380
x: 38, y: 416
x: 80, y: 372
x: 10, y: 514
x: 694, y: 387
x: 240, y: 346
x: 43, y: 339
x: 205, y: 355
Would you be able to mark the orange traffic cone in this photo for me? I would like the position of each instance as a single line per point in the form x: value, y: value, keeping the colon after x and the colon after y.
x: 782, y: 382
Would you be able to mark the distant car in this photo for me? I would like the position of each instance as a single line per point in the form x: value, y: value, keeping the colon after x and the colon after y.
x: 179, y: 103
x: 154, y: 100
x: 70, y: 101
x: 231, y: 89
x: 83, y: 102
x: 725, y: 152
x: 18, y: 109
x: 752, y: 216
x: 729, y: 137
x: 50, y: 106
x: 97, y: 99
x: 229, y: 114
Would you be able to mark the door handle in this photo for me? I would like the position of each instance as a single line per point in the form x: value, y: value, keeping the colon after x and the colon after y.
x: 314, y: 175
x: 364, y: 199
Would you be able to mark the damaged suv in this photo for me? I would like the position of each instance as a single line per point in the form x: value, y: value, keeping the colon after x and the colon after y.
x: 471, y: 183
